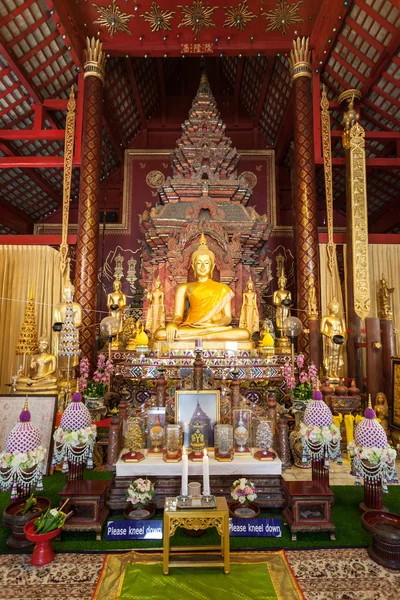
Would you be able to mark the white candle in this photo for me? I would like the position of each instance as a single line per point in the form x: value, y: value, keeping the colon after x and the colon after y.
x: 206, y: 474
x: 185, y: 472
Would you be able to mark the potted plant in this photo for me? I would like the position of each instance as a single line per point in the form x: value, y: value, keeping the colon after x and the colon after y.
x: 243, y: 492
x: 42, y: 530
x: 139, y: 495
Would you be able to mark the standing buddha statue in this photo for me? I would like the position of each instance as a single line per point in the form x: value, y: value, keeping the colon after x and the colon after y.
x: 116, y: 302
x: 155, y: 317
x: 59, y: 318
x: 385, y: 310
x: 249, y: 315
x: 282, y: 299
x: 333, y: 328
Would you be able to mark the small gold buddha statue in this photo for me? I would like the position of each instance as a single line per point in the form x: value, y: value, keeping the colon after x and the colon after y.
x: 155, y: 317
x: 210, y: 311
x: 249, y: 315
x: 282, y: 299
x: 116, y: 302
x: 381, y: 409
x: 311, y: 296
x: 42, y: 377
x: 333, y: 328
x: 385, y: 309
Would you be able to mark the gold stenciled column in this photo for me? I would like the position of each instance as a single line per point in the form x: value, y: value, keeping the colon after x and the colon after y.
x: 89, y: 196
x: 358, y: 292
x: 305, y: 196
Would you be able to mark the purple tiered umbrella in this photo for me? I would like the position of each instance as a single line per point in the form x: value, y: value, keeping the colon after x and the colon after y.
x: 372, y: 460
x: 320, y: 438
x: 74, y: 439
x: 22, y: 462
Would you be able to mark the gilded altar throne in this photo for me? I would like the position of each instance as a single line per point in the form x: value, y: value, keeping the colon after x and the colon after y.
x: 205, y: 201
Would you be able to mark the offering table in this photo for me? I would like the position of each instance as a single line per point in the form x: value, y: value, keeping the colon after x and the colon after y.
x: 195, y: 519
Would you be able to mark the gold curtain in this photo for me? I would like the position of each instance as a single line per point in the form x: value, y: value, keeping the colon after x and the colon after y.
x: 384, y: 259
x: 331, y: 287
x: 23, y: 267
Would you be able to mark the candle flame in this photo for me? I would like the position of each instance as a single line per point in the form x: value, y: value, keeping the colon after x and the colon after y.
x: 205, y: 451
x: 183, y: 450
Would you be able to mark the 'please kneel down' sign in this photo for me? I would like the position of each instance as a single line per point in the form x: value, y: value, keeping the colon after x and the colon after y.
x: 152, y: 529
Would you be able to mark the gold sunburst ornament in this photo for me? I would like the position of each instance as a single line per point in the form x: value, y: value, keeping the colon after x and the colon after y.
x: 238, y: 16
x: 112, y: 18
x: 283, y: 16
x: 197, y: 16
x: 159, y: 19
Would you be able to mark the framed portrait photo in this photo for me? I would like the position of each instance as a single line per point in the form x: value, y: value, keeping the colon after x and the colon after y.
x: 197, y: 407
x: 43, y: 415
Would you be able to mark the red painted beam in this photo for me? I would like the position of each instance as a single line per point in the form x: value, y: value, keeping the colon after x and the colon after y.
x: 34, y: 162
x: 376, y: 238
x: 371, y: 135
x: 377, y: 163
x: 325, y: 23
x: 132, y: 47
x: 15, y: 219
x: 32, y: 134
x: 36, y: 240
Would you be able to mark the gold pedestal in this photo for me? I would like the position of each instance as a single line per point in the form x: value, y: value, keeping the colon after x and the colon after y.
x: 195, y: 519
x: 207, y: 345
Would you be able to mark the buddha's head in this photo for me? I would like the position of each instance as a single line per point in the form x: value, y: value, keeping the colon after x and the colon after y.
x: 380, y: 399
x: 203, y: 259
x: 334, y: 306
x: 117, y: 285
x: 68, y: 292
x: 282, y: 281
x: 157, y: 283
x: 43, y: 344
x: 250, y: 285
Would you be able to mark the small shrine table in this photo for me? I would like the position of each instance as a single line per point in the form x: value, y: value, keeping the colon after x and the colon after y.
x: 87, y: 501
x: 195, y: 519
x: 308, y: 507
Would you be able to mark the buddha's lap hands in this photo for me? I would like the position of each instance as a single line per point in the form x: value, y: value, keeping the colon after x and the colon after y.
x: 170, y: 330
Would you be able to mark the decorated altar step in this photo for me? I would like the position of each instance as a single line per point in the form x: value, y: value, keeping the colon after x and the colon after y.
x: 167, y: 479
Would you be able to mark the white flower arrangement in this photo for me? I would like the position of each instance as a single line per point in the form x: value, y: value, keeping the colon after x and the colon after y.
x: 75, y: 447
x: 22, y: 460
x: 140, y: 492
x: 373, y: 465
x: 77, y: 438
x: 320, y: 443
x: 319, y: 435
x: 243, y: 490
x: 373, y: 455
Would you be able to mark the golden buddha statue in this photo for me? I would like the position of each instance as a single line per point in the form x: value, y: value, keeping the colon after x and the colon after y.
x: 210, y: 312
x: 381, y: 409
x: 385, y: 310
x: 116, y: 302
x: 333, y: 328
x: 42, y: 377
x: 282, y: 299
x: 311, y: 296
x: 249, y: 315
x: 155, y: 317
x: 59, y: 318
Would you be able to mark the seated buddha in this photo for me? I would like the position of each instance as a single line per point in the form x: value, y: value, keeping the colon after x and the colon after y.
x: 42, y: 377
x: 210, y: 312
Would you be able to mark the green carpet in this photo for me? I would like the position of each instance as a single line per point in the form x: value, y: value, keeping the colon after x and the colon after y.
x: 253, y: 576
x: 345, y: 515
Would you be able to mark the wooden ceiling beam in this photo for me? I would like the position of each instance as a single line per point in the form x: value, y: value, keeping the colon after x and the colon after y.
x: 132, y: 80
x: 238, y: 83
x: 161, y: 80
x: 323, y: 30
x: 21, y: 74
x: 263, y: 93
x: 14, y: 218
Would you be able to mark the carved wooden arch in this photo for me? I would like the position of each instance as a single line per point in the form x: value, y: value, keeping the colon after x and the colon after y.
x: 205, y: 203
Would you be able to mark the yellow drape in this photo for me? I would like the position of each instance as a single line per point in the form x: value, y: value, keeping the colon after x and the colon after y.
x: 23, y: 267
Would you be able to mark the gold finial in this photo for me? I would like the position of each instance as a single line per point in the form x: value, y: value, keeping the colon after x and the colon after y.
x: 203, y: 241
x: 26, y: 403
x: 369, y: 401
x: 317, y: 385
x: 95, y: 59
x: 300, y: 58
x: 31, y: 293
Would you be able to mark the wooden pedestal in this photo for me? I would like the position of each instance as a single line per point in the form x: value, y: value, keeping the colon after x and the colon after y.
x: 308, y: 507
x: 87, y: 501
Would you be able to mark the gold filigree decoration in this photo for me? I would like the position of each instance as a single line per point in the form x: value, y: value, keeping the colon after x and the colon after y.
x: 327, y: 156
x: 113, y: 19
x: 196, y: 523
x: 158, y: 18
x: 95, y: 59
x: 197, y: 16
x: 68, y: 158
x: 359, y: 218
x: 299, y: 58
x: 238, y: 16
x: 283, y: 16
x: 248, y: 180
x: 155, y: 179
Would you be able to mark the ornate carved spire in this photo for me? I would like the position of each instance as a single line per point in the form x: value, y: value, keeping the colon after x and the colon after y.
x: 95, y: 63
x: 300, y: 59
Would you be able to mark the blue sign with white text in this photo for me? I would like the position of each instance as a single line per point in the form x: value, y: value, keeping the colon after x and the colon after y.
x: 134, y: 530
x: 265, y: 527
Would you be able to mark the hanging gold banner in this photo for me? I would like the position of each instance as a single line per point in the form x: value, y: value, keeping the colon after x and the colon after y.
x: 327, y: 156
x: 68, y: 157
x: 359, y: 217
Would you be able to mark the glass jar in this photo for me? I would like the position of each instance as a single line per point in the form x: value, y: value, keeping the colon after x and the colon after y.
x: 197, y: 440
x: 173, y: 443
x: 223, y: 442
x: 241, y: 431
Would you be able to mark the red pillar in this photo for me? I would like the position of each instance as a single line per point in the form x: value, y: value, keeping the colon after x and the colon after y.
x: 89, y: 194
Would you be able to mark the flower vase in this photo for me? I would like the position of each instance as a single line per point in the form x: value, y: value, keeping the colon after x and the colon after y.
x: 296, y: 445
x: 43, y: 552
x: 247, y: 510
x: 143, y: 512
